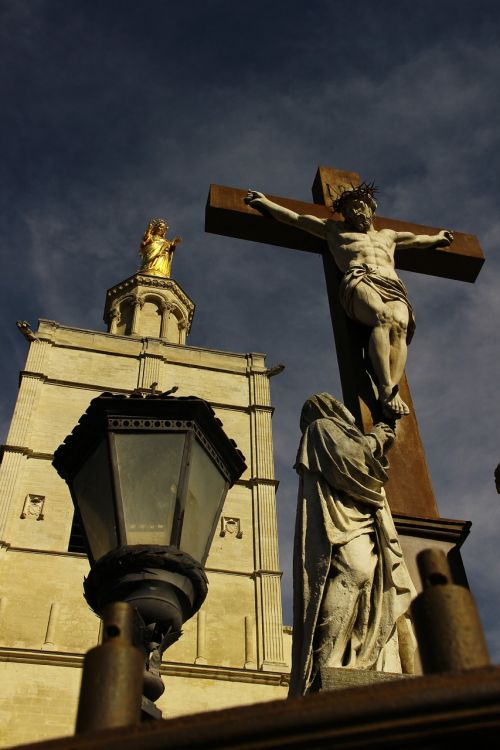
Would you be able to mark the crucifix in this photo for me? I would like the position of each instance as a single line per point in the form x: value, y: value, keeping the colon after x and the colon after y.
x: 409, y: 490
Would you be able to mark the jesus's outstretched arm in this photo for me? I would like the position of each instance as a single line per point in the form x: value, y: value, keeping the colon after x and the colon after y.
x: 408, y: 239
x: 310, y: 224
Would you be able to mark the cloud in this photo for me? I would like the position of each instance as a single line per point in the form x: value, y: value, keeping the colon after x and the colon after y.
x: 120, y: 112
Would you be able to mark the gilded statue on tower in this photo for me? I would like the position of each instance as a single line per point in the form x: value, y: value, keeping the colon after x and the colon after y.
x: 156, y: 251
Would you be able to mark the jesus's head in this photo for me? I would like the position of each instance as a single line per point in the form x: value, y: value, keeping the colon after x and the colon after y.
x: 357, y: 206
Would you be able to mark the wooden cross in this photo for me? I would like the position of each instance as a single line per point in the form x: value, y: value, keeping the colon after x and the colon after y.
x: 409, y: 489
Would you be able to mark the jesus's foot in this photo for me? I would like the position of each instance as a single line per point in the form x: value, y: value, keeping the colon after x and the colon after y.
x: 393, y: 405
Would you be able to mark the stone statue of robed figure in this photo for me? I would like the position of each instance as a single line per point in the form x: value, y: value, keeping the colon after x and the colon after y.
x: 371, y: 292
x: 351, y: 585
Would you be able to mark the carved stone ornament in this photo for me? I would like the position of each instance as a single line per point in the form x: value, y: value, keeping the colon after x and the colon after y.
x: 230, y: 525
x: 33, y: 507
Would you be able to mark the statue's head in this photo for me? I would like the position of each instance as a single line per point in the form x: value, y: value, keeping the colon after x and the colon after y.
x: 357, y: 205
x: 324, y: 406
x: 159, y: 226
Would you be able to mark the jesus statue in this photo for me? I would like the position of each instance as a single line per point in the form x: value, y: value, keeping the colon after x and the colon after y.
x: 371, y: 292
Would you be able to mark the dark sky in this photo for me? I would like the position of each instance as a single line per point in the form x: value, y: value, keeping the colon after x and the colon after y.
x: 115, y: 111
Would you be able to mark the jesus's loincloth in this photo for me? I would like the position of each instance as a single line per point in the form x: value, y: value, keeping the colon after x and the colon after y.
x: 389, y: 290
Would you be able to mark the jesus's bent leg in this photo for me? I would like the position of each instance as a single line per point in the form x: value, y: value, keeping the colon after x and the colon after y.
x: 370, y: 310
x: 398, y: 334
x: 386, y: 345
x: 399, y: 349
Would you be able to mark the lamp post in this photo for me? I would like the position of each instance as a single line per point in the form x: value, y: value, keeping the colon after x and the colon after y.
x: 148, y: 476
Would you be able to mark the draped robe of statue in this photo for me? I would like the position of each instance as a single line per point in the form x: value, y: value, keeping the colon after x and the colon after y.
x: 157, y: 254
x: 341, y: 498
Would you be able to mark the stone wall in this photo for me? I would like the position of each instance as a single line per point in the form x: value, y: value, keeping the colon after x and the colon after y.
x: 233, y: 652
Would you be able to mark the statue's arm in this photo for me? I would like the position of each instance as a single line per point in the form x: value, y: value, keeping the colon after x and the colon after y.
x: 307, y: 223
x: 381, y: 437
x: 148, y: 234
x: 408, y: 239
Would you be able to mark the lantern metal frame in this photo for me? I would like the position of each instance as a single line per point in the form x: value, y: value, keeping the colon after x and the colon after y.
x: 110, y: 413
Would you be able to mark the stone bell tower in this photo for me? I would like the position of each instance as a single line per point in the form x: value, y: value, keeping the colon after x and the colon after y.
x: 144, y: 305
x: 150, y: 303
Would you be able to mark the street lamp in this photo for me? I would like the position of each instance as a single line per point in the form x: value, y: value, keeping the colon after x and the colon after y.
x: 148, y: 476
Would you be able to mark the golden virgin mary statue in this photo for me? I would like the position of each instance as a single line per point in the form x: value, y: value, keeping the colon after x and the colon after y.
x: 156, y: 251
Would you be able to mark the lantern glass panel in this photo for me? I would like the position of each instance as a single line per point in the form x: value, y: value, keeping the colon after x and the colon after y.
x: 149, y: 466
x: 92, y: 491
x: 207, y: 488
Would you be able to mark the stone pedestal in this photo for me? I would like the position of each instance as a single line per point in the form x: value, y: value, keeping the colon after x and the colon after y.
x: 338, y: 678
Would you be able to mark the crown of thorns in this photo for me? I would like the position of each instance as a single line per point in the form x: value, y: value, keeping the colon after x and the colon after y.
x: 365, y: 192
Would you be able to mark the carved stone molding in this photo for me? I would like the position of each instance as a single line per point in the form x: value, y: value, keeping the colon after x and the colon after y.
x: 33, y: 507
x: 174, y: 669
x: 231, y: 526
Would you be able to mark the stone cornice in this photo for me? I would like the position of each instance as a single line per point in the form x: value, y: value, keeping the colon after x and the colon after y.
x: 244, y: 371
x: 173, y: 669
x: 245, y: 573
x: 45, y: 552
x: 256, y: 481
x: 85, y: 386
x: 32, y: 374
x: 152, y: 355
x: 7, y: 448
x: 136, y: 355
x: 230, y: 674
x: 443, y: 529
x: 250, y: 573
x: 261, y: 408
x: 33, y: 656
x: 156, y: 282
x: 263, y: 572
x: 247, y: 408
